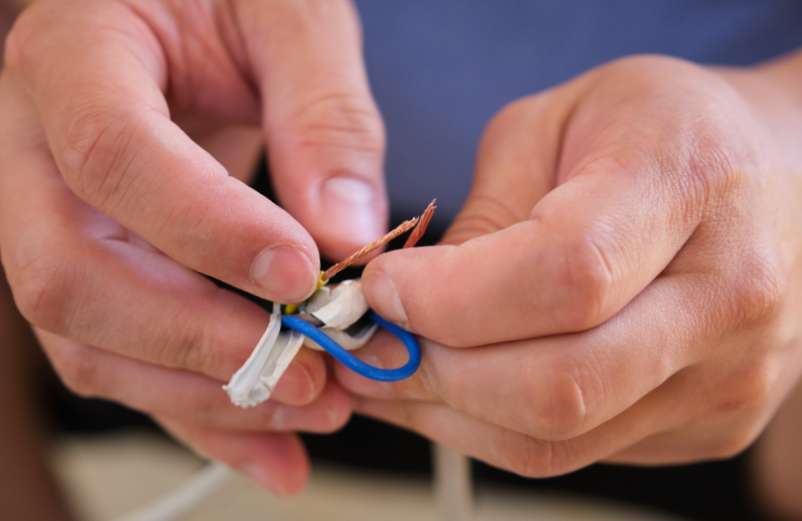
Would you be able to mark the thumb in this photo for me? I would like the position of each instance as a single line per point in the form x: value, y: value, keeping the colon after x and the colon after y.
x: 325, y: 137
x: 541, y: 260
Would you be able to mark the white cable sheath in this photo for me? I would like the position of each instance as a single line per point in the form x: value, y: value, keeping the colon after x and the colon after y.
x: 453, y: 485
x: 253, y: 383
x: 184, y: 499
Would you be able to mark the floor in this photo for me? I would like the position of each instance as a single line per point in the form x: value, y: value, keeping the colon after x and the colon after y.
x: 109, y: 477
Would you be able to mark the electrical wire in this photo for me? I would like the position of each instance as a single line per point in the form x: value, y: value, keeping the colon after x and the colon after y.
x: 184, y: 499
x: 189, y: 495
x: 352, y: 362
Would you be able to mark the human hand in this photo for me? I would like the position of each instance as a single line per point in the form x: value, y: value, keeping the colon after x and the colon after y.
x: 623, y: 283
x: 119, y: 120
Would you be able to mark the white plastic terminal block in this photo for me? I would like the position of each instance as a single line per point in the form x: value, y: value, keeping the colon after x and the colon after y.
x: 336, y: 308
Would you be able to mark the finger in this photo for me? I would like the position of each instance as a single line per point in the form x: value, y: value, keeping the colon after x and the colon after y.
x: 522, y: 454
x: 679, y: 447
x: 560, y: 387
x: 324, y: 134
x: 157, y: 391
x: 237, y: 148
x: 277, y: 462
x: 622, y: 212
x: 507, y: 158
x: 98, y: 91
x: 740, y: 398
x: 79, y: 274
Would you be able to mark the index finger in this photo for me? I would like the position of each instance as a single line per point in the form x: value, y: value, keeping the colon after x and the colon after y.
x: 98, y: 89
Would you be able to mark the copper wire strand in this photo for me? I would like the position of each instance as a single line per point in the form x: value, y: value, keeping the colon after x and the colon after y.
x: 423, y: 224
x: 418, y: 226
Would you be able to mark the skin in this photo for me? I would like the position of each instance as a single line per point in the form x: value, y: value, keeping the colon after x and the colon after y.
x: 624, y: 283
x: 130, y: 128
x: 621, y: 285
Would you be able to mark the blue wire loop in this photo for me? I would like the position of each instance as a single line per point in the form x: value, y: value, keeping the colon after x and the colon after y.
x: 303, y: 327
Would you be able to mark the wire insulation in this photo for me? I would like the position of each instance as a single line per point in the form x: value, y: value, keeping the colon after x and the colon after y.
x: 352, y: 362
x: 184, y: 499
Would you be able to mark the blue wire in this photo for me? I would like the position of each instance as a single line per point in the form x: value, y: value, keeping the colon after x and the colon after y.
x: 355, y: 364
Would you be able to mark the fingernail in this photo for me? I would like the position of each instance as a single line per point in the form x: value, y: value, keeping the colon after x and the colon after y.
x: 385, y: 299
x: 350, y: 204
x: 264, y: 478
x: 284, y: 272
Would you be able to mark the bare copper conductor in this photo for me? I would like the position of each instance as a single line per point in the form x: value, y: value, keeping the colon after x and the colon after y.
x: 418, y: 226
x: 423, y: 223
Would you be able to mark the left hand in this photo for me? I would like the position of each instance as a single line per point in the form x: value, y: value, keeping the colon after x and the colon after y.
x: 623, y: 283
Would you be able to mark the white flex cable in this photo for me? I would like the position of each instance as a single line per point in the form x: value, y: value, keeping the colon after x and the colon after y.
x: 254, y: 382
x: 337, y: 308
x: 251, y: 385
x: 453, y: 485
x: 184, y: 499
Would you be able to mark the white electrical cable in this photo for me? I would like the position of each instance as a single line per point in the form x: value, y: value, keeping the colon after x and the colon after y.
x: 184, y: 499
x: 453, y: 484
x: 253, y: 383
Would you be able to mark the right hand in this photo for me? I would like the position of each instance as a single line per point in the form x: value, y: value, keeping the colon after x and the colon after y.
x: 119, y: 119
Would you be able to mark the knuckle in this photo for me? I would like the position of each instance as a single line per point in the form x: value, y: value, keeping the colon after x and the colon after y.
x: 98, y: 153
x: 559, y: 402
x: 40, y: 287
x: 340, y: 121
x: 588, y: 279
x: 750, y: 392
x: 80, y: 373
x: 757, y: 290
x: 715, y: 168
x: 187, y: 346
